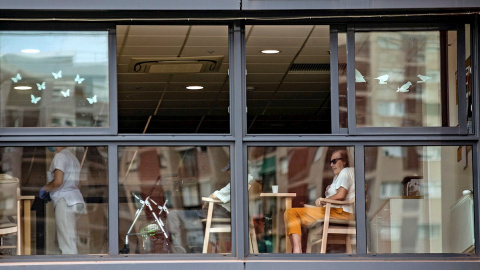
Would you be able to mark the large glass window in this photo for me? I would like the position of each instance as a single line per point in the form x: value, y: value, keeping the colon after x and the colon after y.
x: 54, y: 79
x: 173, y: 79
x: 71, y: 218
x: 288, y: 79
x: 406, y: 79
x: 419, y: 199
x: 166, y: 193
x: 285, y: 185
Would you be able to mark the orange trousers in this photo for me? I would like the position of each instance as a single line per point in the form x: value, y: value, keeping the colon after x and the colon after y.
x: 295, y: 218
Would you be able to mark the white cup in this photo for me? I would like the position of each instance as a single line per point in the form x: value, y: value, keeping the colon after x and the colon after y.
x: 275, y: 189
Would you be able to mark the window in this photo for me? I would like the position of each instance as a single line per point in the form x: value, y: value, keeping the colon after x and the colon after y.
x: 33, y: 167
x: 406, y: 79
x: 161, y: 208
x: 310, y: 175
x: 427, y: 208
x: 173, y: 79
x: 54, y: 79
x: 288, y: 79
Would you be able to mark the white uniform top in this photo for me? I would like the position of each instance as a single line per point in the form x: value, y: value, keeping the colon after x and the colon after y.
x: 66, y: 162
x: 345, y: 179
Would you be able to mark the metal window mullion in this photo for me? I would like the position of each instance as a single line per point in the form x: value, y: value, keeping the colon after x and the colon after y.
x: 360, y: 213
x: 351, y: 107
x: 462, y: 106
x: 237, y: 103
x: 475, y: 121
x: 335, y: 106
x: 112, y: 72
x: 113, y: 237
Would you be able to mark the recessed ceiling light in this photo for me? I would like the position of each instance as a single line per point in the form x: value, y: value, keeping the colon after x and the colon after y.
x: 270, y: 51
x: 22, y: 87
x: 195, y: 87
x: 30, y: 51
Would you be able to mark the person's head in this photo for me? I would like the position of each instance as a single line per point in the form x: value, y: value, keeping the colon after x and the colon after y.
x: 338, y: 161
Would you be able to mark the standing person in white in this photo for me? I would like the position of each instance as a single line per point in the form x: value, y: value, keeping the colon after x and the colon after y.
x: 63, y: 188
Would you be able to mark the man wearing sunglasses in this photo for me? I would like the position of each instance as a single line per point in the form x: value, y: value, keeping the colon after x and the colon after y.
x: 342, y: 188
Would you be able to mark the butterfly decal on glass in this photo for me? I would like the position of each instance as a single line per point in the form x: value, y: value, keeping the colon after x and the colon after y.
x: 35, y: 99
x: 17, y: 78
x: 66, y: 93
x: 92, y: 99
x: 78, y: 79
x: 41, y: 86
x: 57, y: 75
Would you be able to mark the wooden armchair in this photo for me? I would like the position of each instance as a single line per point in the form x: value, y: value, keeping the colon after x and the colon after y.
x: 223, y: 225
x: 319, y: 234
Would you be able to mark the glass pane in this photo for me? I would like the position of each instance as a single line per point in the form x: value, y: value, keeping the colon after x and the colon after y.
x: 342, y: 79
x: 77, y: 181
x: 285, y: 184
x: 165, y: 195
x: 406, y: 79
x: 157, y: 67
x: 54, y: 79
x: 288, y: 90
x: 419, y: 199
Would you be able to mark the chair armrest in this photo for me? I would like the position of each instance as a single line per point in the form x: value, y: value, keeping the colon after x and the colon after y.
x: 325, y: 200
x: 207, y: 199
x: 309, y: 206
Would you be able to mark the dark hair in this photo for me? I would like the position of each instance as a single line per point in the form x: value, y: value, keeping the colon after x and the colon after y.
x: 343, y: 156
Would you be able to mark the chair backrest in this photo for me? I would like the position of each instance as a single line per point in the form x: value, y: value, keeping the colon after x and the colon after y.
x: 8, y: 197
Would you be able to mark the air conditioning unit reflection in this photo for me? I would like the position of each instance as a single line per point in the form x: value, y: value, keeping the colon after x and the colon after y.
x: 197, y: 64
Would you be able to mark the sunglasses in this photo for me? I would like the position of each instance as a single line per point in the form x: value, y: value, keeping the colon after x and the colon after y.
x: 334, y: 161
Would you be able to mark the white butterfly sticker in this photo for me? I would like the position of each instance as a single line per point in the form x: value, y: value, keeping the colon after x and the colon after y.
x: 57, y: 75
x: 35, y: 99
x: 41, y: 86
x: 92, y: 99
x: 16, y: 78
x: 66, y: 93
x: 78, y: 79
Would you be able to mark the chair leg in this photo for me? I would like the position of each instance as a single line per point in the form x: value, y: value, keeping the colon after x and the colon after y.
x: 253, y: 241
x: 348, y: 243
x: 207, y: 227
x: 325, y: 229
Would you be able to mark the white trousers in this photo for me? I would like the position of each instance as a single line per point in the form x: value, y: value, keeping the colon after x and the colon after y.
x: 66, y: 222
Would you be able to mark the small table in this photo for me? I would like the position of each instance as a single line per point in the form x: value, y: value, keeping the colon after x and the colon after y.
x: 288, y: 204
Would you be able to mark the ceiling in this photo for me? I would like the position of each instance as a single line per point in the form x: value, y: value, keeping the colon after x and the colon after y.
x: 287, y: 92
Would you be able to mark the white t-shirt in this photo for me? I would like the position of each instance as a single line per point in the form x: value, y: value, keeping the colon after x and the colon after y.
x: 66, y: 162
x: 345, y: 179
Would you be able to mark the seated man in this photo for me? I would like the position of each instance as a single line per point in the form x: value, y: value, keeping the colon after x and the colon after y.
x: 342, y: 188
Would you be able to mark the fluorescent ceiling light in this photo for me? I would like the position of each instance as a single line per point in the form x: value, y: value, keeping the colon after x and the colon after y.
x: 30, y: 51
x: 195, y: 87
x: 270, y: 51
x: 22, y: 87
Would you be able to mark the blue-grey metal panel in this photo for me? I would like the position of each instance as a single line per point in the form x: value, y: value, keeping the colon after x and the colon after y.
x: 238, y: 91
x: 363, y: 265
x: 360, y: 213
x: 127, y: 265
x: 355, y: 4
x: 122, y: 5
x: 113, y: 238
